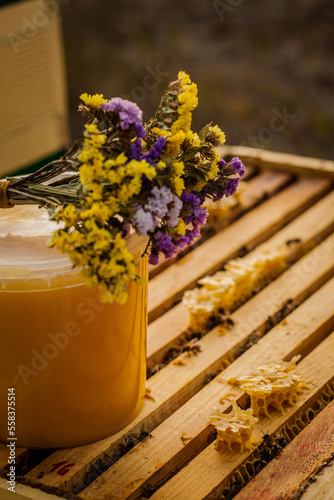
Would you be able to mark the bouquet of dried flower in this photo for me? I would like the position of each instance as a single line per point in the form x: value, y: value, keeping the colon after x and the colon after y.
x: 121, y: 174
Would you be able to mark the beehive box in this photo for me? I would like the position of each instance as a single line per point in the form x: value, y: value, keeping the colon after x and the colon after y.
x: 168, y: 451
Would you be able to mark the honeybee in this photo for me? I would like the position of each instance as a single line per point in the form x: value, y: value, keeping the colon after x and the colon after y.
x: 191, y: 348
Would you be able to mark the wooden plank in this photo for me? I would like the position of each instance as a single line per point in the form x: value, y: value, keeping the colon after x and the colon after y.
x: 23, y: 492
x: 153, y: 460
x: 301, y: 458
x: 253, y: 228
x: 300, y: 165
x: 258, y: 189
x: 171, y: 386
x: 322, y: 486
x: 164, y: 331
x: 204, y: 478
x: 262, y: 186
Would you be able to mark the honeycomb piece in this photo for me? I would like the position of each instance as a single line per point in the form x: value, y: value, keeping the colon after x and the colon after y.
x: 243, y: 274
x: 201, y: 305
x: 232, y: 287
x: 234, y: 428
x: 269, y: 264
x: 219, y: 281
x: 271, y: 385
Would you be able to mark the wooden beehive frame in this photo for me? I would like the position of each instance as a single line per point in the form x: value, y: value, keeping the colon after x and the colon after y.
x: 33, y: 96
x: 178, y: 459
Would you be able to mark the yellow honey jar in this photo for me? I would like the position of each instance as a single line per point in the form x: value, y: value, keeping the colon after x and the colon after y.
x: 77, y: 365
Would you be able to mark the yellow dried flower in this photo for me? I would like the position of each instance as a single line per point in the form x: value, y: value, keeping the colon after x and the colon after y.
x: 184, y: 77
x: 174, y: 143
x: 93, y: 100
x: 219, y: 134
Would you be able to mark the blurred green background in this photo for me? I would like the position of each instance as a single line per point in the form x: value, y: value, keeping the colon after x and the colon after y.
x: 264, y: 69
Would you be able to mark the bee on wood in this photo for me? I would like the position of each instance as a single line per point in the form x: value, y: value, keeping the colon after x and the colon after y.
x: 211, y: 376
x: 143, y: 434
x: 171, y: 354
x: 90, y: 477
x: 115, y: 456
x: 129, y: 442
x: 223, y: 317
x: 252, y: 339
x: 292, y: 241
x: 271, y: 447
x: 286, y: 309
x: 100, y: 466
x: 155, y: 370
x: 271, y: 322
x: 194, y: 336
x: 191, y: 348
x: 229, y: 322
x: 243, y: 250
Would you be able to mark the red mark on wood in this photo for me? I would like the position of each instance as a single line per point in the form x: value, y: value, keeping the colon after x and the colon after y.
x: 260, y: 495
x: 306, y: 449
x: 64, y: 467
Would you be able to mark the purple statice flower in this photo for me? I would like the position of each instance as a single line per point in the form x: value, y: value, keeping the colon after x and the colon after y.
x: 146, y: 184
x: 231, y: 187
x: 174, y: 211
x: 201, y: 196
x: 170, y: 246
x: 156, y: 150
x: 158, y: 147
x: 143, y: 221
x: 135, y: 150
x: 189, y: 238
x: 192, y: 212
x: 192, y: 234
x: 140, y: 131
x: 221, y: 163
x: 164, y: 244
x: 136, y: 153
x: 153, y: 258
x: 158, y: 202
x: 129, y: 114
x: 183, y: 241
x: 217, y: 196
x: 237, y: 166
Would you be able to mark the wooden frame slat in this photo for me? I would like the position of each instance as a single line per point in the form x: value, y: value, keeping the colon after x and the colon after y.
x: 321, y: 486
x: 204, y: 478
x: 283, y: 476
x: 263, y: 159
x: 164, y: 331
x: 302, y: 330
x: 253, y: 228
